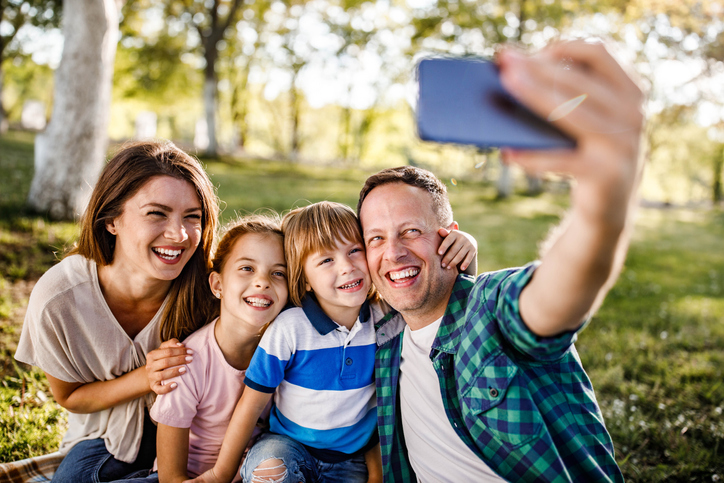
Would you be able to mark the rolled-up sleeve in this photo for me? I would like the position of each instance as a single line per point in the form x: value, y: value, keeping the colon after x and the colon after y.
x: 502, y: 290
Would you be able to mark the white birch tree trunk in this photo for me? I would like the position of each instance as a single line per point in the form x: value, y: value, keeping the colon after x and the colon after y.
x: 3, y: 119
x: 505, y: 181
x: 70, y: 153
x: 210, y: 90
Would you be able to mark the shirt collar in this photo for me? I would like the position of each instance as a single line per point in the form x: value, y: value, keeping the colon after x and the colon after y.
x: 321, y: 321
x: 448, y: 335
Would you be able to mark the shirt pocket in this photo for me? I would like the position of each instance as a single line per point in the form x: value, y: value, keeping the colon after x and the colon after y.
x: 497, y: 402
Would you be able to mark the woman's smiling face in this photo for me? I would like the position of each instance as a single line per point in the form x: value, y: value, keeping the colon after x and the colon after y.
x: 158, y: 230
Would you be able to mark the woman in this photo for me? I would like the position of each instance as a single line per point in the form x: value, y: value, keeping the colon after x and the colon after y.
x: 136, y: 276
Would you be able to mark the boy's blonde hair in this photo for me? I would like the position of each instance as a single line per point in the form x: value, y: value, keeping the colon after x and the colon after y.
x: 311, y: 229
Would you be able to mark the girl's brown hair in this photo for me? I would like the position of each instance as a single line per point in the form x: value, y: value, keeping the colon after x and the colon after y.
x: 189, y: 302
x: 311, y: 229
x: 268, y: 223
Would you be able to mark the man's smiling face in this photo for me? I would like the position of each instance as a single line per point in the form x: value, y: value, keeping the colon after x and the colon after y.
x: 401, y: 237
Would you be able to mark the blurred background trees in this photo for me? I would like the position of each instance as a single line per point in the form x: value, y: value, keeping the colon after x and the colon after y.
x: 16, y: 15
x: 332, y: 81
x: 70, y: 152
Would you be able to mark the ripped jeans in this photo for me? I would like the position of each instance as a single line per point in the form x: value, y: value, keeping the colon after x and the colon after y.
x: 298, y: 465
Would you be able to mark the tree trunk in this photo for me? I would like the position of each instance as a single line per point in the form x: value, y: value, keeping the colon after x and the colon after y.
x: 211, y: 90
x: 718, y: 167
x: 210, y: 37
x: 70, y: 154
x: 210, y: 96
x: 535, y: 183
x: 240, y: 105
x: 296, y: 141
x: 505, y: 181
x: 360, y: 138
x: 3, y: 119
x: 343, y: 143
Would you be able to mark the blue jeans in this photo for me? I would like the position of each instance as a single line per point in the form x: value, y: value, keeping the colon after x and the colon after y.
x: 90, y: 462
x: 144, y: 476
x: 300, y: 465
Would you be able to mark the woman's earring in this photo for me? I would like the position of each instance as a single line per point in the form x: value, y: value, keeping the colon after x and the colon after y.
x: 218, y: 295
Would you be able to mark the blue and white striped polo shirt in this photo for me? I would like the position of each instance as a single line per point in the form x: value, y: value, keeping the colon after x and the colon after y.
x: 323, y: 375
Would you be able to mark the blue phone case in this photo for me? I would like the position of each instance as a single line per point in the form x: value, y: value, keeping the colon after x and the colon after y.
x: 462, y: 101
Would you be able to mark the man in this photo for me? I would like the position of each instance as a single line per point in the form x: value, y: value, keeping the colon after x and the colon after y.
x: 478, y: 380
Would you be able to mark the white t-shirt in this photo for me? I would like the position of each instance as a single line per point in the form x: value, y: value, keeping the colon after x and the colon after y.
x: 436, y: 452
x: 203, y: 401
x: 70, y: 333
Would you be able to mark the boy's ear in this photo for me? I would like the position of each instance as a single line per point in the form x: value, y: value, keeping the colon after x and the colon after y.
x: 215, y: 283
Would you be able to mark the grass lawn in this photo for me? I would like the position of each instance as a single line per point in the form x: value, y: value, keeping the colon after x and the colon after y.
x: 655, y: 350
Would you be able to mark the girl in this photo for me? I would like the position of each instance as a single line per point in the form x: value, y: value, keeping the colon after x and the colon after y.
x: 249, y: 277
x: 137, y: 275
x: 319, y: 360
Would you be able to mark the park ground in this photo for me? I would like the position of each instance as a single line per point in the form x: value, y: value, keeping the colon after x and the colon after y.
x: 654, y: 351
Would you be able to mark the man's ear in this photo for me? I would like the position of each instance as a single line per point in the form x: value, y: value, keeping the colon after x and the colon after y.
x: 453, y: 226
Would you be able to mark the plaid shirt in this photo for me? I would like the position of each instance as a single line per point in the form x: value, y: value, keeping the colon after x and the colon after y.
x: 522, y: 403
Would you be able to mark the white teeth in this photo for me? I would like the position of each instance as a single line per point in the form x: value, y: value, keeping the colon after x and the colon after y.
x: 167, y: 254
x: 410, y: 272
x: 351, y: 285
x: 257, y: 302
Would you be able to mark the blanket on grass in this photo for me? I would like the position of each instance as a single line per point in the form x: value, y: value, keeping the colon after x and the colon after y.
x: 30, y: 470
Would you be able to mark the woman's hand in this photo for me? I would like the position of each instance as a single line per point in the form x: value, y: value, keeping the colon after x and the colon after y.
x: 166, y: 362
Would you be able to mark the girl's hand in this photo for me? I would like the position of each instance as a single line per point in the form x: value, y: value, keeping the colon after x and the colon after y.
x: 459, y: 250
x: 206, y: 477
x: 166, y: 362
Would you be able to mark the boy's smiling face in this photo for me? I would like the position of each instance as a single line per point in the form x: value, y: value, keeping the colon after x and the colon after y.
x: 340, y: 280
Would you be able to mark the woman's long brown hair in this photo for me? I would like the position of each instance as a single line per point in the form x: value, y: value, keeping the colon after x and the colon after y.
x: 190, y: 300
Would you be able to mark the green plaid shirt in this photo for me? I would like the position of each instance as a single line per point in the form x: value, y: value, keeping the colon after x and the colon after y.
x: 522, y: 403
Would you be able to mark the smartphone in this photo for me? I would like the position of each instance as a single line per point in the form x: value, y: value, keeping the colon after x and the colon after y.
x: 462, y: 101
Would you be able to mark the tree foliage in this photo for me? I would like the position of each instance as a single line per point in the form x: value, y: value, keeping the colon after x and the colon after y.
x: 14, y: 15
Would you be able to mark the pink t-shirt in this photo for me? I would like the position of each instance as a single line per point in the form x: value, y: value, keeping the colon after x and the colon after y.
x: 203, y: 401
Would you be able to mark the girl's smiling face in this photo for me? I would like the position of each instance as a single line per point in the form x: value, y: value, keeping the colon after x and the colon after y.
x: 340, y: 280
x: 253, y: 280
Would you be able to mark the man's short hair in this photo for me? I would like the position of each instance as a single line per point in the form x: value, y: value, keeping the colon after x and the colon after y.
x: 419, y: 178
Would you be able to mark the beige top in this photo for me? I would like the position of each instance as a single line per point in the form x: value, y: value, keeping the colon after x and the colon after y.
x: 71, y: 334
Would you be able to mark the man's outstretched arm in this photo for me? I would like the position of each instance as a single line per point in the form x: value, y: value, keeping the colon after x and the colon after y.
x: 594, y: 100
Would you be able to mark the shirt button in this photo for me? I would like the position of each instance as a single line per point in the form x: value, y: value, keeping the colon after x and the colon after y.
x: 493, y: 392
x: 348, y: 361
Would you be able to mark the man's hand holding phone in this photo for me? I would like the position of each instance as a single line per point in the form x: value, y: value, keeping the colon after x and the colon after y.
x: 568, y: 109
x: 602, y: 110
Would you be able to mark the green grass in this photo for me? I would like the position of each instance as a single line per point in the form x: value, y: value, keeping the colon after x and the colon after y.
x: 654, y: 352
x: 31, y: 421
